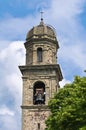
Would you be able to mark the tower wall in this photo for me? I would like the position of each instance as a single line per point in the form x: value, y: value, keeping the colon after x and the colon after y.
x: 40, y: 75
x: 34, y: 117
x: 49, y: 52
x: 45, y: 74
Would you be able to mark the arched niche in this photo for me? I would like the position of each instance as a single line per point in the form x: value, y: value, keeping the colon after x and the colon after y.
x: 39, y: 54
x: 39, y: 93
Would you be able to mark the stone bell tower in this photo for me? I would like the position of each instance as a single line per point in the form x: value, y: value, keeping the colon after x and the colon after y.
x: 41, y: 75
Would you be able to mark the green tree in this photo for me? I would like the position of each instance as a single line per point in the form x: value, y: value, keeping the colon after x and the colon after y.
x: 68, y: 107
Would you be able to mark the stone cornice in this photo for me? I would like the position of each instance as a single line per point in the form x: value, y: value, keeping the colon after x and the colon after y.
x: 50, y: 67
x: 36, y: 107
x: 37, y: 40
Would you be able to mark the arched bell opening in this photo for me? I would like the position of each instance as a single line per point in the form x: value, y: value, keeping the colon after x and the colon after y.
x: 39, y: 93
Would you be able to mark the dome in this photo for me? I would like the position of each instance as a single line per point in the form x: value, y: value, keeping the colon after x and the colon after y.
x: 41, y: 31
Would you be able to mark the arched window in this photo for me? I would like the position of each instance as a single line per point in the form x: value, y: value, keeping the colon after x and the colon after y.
x: 39, y: 93
x: 39, y: 54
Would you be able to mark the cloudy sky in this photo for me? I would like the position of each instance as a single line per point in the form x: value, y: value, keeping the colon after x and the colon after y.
x: 16, y: 18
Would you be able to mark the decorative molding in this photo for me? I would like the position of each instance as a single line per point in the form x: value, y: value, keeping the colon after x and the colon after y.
x: 38, y: 107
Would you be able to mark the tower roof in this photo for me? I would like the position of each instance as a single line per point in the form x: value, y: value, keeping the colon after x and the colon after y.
x: 41, y: 31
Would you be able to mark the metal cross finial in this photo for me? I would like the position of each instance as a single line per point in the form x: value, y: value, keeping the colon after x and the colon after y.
x: 41, y: 15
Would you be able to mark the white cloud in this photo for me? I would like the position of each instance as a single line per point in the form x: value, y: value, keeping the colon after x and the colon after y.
x: 63, y: 82
x: 13, y: 54
x: 11, y: 85
x: 6, y: 111
x: 63, y: 16
x: 71, y: 34
x: 14, y: 85
x: 8, y: 122
x: 75, y: 53
x: 11, y: 57
x: 16, y: 28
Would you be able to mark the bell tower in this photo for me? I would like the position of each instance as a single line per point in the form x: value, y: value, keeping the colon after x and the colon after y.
x: 41, y: 75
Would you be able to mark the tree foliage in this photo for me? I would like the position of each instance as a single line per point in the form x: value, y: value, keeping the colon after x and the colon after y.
x: 68, y: 107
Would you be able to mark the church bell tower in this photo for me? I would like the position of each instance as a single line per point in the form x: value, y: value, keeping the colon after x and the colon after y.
x: 41, y: 75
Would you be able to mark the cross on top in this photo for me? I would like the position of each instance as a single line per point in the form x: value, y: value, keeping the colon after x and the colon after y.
x: 41, y: 15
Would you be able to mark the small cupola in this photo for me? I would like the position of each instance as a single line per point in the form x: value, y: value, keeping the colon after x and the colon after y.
x: 41, y: 31
x: 41, y: 45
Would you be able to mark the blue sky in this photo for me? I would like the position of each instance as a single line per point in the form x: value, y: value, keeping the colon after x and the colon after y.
x: 17, y: 17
